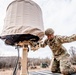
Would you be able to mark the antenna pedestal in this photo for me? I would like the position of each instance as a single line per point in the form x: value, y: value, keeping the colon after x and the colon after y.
x: 24, y: 68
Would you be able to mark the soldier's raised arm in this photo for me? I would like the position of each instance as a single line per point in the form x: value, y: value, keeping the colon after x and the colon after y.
x: 44, y: 43
x: 67, y: 39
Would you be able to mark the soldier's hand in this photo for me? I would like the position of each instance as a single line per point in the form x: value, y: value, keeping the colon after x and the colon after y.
x: 35, y: 46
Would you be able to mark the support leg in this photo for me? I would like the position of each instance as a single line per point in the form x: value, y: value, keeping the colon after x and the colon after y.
x: 24, y: 61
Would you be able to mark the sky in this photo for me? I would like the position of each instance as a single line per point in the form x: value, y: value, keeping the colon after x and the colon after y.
x: 57, y: 14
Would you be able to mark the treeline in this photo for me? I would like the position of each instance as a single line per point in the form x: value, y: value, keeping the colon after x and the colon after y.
x: 7, y: 62
x: 72, y: 52
x: 10, y: 62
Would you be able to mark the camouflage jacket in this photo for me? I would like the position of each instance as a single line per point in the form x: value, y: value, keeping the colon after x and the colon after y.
x: 56, y: 44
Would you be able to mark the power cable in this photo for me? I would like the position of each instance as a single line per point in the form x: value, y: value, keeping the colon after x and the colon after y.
x: 16, y: 66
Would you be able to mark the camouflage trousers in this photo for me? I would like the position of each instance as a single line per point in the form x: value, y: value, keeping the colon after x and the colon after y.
x: 63, y: 66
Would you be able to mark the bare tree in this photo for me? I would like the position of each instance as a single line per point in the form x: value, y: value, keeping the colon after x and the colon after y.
x: 72, y: 52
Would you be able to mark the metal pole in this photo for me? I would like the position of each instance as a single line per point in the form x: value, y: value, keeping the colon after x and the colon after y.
x: 24, y: 60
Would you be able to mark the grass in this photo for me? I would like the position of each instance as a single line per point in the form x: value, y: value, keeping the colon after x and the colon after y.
x: 10, y: 71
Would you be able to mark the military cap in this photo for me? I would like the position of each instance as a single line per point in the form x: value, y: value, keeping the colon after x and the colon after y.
x: 49, y: 31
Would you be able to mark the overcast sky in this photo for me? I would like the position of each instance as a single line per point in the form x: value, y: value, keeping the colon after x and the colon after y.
x: 57, y: 14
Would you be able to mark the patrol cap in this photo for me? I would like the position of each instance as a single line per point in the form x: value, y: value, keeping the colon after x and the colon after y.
x: 49, y: 31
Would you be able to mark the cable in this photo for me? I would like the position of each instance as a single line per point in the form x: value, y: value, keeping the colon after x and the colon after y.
x: 16, y: 66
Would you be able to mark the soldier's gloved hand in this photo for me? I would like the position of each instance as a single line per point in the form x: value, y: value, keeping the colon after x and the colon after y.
x: 35, y: 46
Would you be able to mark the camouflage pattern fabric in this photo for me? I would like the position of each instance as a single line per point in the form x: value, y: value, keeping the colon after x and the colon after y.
x: 59, y: 51
x: 55, y: 66
x: 66, y: 65
x: 56, y: 45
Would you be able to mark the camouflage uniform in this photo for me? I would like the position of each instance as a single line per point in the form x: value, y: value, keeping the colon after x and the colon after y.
x: 61, y: 57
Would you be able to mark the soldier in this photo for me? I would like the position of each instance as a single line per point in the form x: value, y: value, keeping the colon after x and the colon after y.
x: 61, y: 61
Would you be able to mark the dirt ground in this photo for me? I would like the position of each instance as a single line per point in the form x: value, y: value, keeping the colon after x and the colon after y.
x: 10, y: 71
